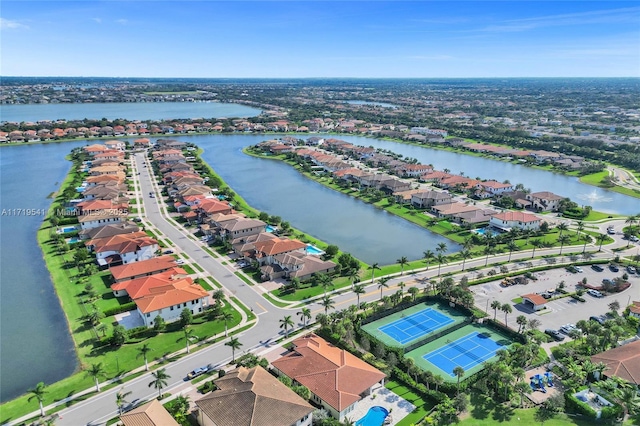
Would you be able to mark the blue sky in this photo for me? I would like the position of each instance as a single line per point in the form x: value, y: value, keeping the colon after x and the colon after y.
x: 320, y: 39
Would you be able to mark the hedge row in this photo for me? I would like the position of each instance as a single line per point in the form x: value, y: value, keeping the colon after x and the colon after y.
x: 120, y: 309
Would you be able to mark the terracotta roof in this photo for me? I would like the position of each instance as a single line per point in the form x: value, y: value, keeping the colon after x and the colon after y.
x: 333, y: 374
x: 516, y: 217
x: 635, y: 307
x: 536, y: 299
x: 623, y: 362
x: 252, y: 397
x: 144, y: 267
x: 173, y: 293
x: 150, y: 414
x: 110, y: 230
x: 275, y: 246
x: 495, y: 184
x: 122, y: 243
x: 139, y: 287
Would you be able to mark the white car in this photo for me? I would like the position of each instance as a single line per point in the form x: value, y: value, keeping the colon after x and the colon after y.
x: 595, y: 293
x: 578, y: 269
x: 568, y: 328
x: 180, y: 262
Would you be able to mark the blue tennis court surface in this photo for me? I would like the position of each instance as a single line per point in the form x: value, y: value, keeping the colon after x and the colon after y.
x: 416, y: 325
x: 466, y: 352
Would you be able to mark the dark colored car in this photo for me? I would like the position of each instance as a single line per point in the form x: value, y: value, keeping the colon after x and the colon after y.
x: 614, y: 268
x: 555, y: 334
x: 597, y: 268
x: 599, y: 320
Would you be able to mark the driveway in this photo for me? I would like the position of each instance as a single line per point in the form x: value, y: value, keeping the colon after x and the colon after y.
x: 561, y: 311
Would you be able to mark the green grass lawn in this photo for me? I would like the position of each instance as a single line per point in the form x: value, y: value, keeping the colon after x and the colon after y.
x: 422, y: 406
x: 595, y: 179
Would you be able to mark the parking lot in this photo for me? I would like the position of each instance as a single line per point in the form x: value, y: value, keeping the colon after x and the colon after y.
x: 561, y: 311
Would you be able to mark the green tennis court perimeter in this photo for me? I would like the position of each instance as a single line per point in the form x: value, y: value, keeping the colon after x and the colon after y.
x: 443, y: 312
x: 418, y: 354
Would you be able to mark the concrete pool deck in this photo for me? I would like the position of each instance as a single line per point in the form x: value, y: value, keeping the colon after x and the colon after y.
x: 398, y: 407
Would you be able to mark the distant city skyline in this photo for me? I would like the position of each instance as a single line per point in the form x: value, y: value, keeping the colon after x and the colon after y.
x: 287, y: 39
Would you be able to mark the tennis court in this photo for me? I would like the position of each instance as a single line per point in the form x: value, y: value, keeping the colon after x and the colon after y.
x: 411, y: 324
x: 417, y: 325
x: 469, y: 347
x: 466, y: 352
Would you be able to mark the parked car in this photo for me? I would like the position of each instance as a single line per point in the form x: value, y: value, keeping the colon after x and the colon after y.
x: 131, y: 405
x: 579, y: 269
x: 600, y: 320
x: 180, y: 261
x: 631, y: 269
x: 607, y: 281
x: 634, y: 239
x: 168, y: 252
x: 594, y: 293
x: 198, y: 372
x: 611, y: 231
x: 597, y: 268
x: 555, y: 334
x: 567, y: 328
x: 614, y: 268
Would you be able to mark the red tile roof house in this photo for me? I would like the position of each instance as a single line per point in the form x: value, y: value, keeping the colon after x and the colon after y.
x: 101, y: 217
x: 337, y: 379
x: 494, y: 187
x: 139, y: 287
x: 169, y: 300
x: 252, y: 397
x: 296, y: 265
x: 623, y: 362
x: 123, y: 249
x: 150, y: 414
x: 266, y: 250
x: 518, y: 220
x: 142, y: 269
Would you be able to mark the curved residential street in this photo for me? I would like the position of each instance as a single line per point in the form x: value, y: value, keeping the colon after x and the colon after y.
x: 98, y: 409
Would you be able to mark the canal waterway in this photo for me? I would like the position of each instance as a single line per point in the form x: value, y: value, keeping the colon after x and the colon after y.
x: 36, y: 345
x: 486, y: 168
x: 125, y: 110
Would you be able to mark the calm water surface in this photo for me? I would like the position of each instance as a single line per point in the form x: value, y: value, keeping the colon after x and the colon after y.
x: 36, y: 345
x: 126, y: 110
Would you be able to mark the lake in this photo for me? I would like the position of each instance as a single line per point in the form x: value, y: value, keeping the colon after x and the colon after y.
x: 124, y: 110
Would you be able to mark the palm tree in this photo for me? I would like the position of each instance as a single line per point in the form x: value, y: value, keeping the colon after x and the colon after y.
x: 458, y: 372
x: 488, y: 250
x: 218, y: 296
x: 160, y: 380
x: 402, y: 261
x: 587, y: 239
x: 373, y: 270
x: 354, y: 275
x: 601, y: 239
x: 579, y: 226
x: 521, y: 320
x: 507, y: 309
x: 632, y: 220
x: 465, y: 254
x: 495, y: 305
x: 120, y: 399
x: 38, y: 393
x: 536, y: 243
x: 511, y: 245
x: 441, y: 248
x: 437, y: 380
x: 225, y: 316
x: 382, y: 283
x: 440, y: 258
x: 95, y: 371
x: 142, y: 352
x: 413, y: 291
x: 428, y: 256
x: 562, y: 227
x: 629, y: 399
x: 563, y: 239
x: 285, y: 323
x: 325, y: 281
x: 188, y: 335
x: 401, y: 286
x: 234, y: 344
x: 327, y: 303
x: 358, y: 289
x: 305, y: 315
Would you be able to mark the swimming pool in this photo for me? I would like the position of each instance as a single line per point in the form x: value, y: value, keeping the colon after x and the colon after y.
x: 74, y: 240
x: 269, y: 228
x: 311, y: 249
x: 374, y: 417
x: 67, y: 229
x: 487, y: 230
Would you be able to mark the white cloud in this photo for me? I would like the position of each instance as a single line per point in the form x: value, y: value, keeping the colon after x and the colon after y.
x: 7, y: 24
x: 122, y: 21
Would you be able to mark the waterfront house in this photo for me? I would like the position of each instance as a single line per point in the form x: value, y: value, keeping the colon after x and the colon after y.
x: 143, y: 268
x: 494, y: 187
x: 266, y: 250
x: 101, y: 218
x: 109, y: 230
x: 474, y: 217
x: 95, y: 149
x: 94, y: 205
x: 413, y: 170
x: 152, y: 413
x: 138, y: 287
x: 517, y: 220
x: 391, y: 185
x: 123, y: 248
x: 106, y: 170
x: 241, y: 227
x: 105, y: 191
x: 296, y: 264
x: 170, y: 300
x: 446, y: 211
x: 404, y: 197
x: 428, y: 199
x: 544, y: 201
x: 336, y: 379
x: 117, y: 179
x: 252, y: 397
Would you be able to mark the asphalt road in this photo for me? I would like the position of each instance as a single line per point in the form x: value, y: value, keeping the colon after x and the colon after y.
x: 97, y: 410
